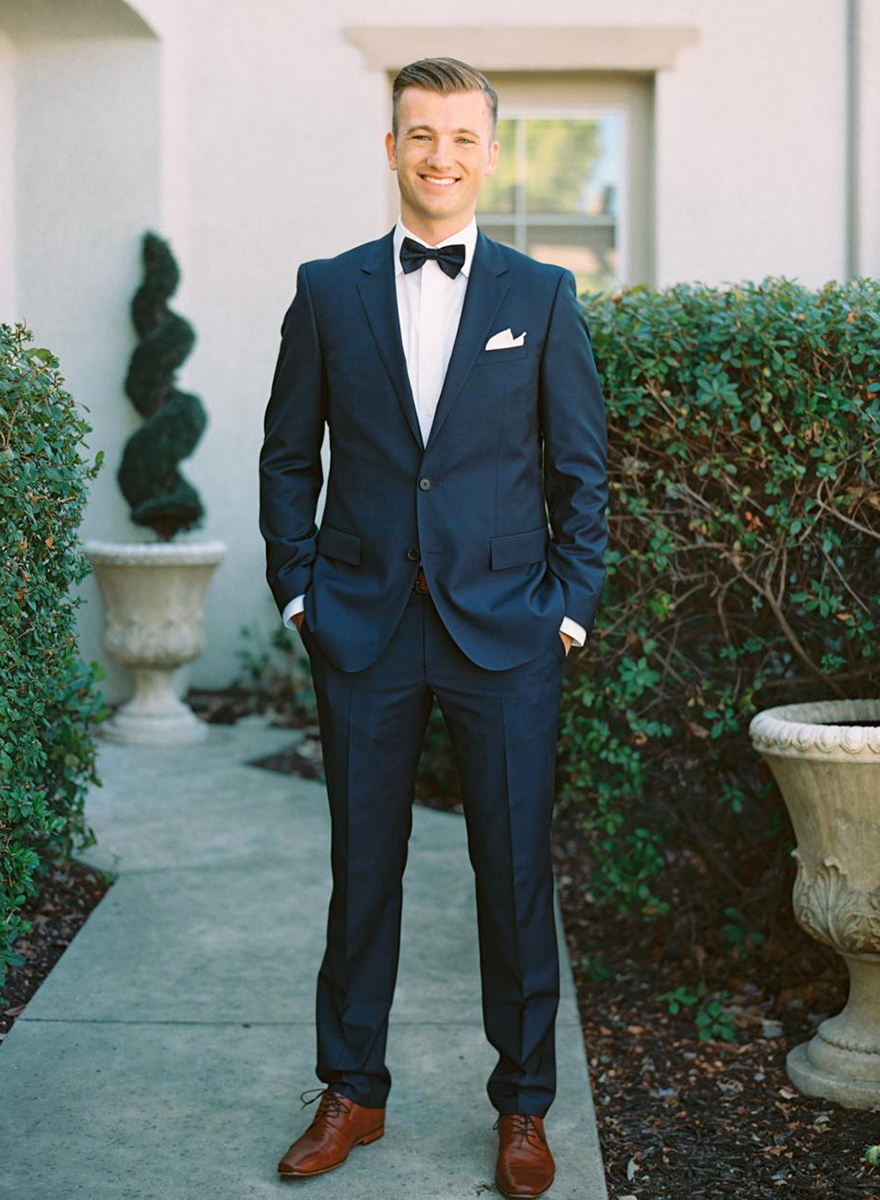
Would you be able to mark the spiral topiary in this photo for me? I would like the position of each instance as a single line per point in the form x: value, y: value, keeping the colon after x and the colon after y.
x: 174, y: 420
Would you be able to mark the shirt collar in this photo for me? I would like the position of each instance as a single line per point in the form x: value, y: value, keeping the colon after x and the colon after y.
x: 467, y: 235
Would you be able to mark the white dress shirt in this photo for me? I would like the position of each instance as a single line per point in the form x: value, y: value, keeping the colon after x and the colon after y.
x: 429, y: 309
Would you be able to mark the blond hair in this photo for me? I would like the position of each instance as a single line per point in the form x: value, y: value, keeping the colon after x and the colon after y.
x: 443, y: 75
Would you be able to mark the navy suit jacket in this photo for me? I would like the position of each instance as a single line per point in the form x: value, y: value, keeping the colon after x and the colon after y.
x: 517, y: 434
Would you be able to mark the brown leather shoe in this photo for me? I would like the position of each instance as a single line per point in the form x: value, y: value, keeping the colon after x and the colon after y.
x: 339, y: 1123
x: 525, y: 1166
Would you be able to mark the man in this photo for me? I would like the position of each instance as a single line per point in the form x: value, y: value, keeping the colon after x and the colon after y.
x: 445, y: 364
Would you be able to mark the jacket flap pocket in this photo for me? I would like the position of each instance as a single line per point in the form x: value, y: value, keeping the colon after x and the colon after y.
x: 518, y: 549
x: 336, y: 543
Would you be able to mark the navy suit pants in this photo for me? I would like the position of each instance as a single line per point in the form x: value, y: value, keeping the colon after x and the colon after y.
x: 503, y: 728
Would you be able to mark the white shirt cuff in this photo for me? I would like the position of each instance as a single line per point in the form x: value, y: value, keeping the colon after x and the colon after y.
x: 577, y: 632
x: 293, y: 606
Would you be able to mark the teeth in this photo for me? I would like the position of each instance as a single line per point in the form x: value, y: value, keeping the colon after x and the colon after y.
x: 438, y: 182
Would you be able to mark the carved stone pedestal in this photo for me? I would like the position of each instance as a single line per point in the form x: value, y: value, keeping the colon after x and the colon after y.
x: 829, y: 776
x: 153, y: 596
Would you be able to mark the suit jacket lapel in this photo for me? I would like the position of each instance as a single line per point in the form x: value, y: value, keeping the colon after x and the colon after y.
x: 486, y: 288
x: 379, y: 295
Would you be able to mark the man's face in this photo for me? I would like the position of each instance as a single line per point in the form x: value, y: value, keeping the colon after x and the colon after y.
x: 442, y: 154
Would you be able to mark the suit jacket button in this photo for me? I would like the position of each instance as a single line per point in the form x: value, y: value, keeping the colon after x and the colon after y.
x: 424, y: 483
x: 412, y: 553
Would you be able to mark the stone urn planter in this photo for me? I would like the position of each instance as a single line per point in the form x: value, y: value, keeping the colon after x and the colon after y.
x: 153, y: 595
x: 825, y: 756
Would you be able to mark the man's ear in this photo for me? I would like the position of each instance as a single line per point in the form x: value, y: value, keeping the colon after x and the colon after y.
x: 492, y: 159
x: 391, y: 150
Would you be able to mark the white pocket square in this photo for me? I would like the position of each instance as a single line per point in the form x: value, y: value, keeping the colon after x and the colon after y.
x: 504, y: 339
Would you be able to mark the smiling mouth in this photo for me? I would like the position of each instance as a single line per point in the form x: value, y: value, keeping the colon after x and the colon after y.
x: 439, y: 181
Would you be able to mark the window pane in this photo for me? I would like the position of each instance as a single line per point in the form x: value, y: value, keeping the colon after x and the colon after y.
x: 588, y: 251
x: 498, y: 229
x: 573, y: 166
x: 563, y: 189
x: 497, y: 195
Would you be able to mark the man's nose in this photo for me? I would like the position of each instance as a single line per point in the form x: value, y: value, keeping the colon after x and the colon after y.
x: 441, y: 154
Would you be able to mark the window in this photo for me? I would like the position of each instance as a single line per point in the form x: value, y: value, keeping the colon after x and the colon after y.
x: 558, y: 192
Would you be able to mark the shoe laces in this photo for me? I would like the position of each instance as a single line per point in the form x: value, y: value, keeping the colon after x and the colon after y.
x: 524, y: 1126
x: 332, y: 1104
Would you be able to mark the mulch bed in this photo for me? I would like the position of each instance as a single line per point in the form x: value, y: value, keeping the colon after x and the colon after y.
x: 683, y: 1118
x: 679, y: 1118
x: 67, y: 897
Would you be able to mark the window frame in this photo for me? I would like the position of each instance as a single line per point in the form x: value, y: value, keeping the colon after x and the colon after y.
x: 521, y: 219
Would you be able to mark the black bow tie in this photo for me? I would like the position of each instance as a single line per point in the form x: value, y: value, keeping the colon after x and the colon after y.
x: 450, y: 259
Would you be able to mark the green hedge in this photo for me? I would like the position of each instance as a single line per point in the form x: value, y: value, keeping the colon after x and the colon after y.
x: 48, y: 701
x: 743, y: 572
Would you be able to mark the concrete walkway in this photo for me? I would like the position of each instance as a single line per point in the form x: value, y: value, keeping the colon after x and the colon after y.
x: 164, y: 1055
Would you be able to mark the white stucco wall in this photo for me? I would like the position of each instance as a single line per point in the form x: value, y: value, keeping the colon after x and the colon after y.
x: 250, y: 133
x: 7, y: 170
x: 868, y: 117
x: 750, y: 147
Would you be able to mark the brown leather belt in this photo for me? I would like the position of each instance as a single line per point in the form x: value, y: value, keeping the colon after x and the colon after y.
x: 421, y: 583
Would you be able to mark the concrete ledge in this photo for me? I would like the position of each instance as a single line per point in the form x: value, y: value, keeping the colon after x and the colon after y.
x: 504, y: 47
